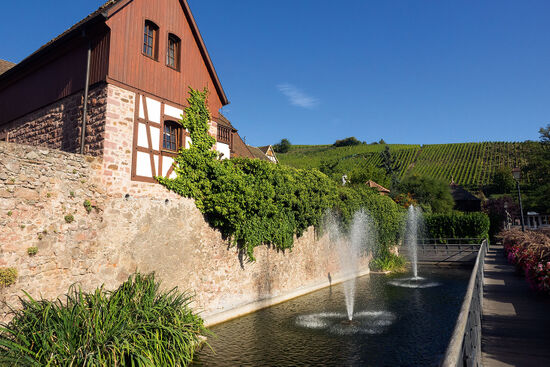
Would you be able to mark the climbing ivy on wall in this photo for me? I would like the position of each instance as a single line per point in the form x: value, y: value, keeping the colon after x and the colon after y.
x: 255, y: 202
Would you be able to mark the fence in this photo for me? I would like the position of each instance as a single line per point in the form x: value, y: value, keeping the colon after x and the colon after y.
x: 465, y: 346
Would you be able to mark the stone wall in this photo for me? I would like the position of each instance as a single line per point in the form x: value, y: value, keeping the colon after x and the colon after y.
x: 59, y: 125
x: 132, y: 226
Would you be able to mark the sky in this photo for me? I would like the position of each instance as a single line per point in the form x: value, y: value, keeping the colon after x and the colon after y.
x: 313, y: 71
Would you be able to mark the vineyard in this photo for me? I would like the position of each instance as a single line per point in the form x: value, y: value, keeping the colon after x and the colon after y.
x: 469, y: 164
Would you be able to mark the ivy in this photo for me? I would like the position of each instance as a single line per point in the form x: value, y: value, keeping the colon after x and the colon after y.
x: 255, y: 202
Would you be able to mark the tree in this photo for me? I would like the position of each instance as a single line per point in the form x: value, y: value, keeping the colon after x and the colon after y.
x: 382, y: 141
x: 431, y: 194
x: 388, y: 164
x: 352, y: 140
x: 283, y: 146
x: 538, y: 170
x: 502, y: 182
x: 362, y: 175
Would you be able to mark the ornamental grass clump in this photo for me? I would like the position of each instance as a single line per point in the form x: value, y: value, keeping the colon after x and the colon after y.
x: 135, y: 325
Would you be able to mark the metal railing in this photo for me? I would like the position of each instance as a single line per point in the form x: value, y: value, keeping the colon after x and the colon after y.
x: 449, y: 241
x: 465, y: 346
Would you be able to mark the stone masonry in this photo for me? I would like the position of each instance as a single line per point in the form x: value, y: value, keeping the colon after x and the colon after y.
x: 150, y: 230
x: 59, y: 125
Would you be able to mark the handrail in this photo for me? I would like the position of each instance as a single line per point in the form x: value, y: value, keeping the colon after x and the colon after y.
x: 464, y: 349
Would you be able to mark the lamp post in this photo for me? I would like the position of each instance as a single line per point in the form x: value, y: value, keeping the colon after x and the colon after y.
x: 516, y: 172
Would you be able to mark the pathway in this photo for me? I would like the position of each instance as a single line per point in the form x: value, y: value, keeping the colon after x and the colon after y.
x: 516, y: 322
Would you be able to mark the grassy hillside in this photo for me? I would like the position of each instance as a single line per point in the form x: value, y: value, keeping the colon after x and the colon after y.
x: 469, y: 164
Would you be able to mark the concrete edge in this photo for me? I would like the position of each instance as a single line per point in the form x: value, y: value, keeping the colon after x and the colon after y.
x: 220, y: 317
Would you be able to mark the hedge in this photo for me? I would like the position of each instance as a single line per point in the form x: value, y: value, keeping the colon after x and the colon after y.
x: 457, y: 225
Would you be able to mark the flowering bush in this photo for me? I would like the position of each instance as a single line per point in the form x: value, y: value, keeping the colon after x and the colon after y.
x: 530, y: 253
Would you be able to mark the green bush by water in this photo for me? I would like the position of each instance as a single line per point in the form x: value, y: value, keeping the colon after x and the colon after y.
x: 136, y: 325
x: 457, y: 225
x: 254, y: 202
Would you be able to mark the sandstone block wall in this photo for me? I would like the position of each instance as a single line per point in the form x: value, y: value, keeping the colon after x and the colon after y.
x: 59, y: 125
x: 150, y: 229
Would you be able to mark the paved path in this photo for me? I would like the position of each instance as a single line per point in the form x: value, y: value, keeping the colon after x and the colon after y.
x: 516, y: 321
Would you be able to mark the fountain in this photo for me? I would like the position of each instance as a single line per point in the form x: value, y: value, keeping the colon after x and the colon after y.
x: 414, y: 219
x: 350, y: 247
x: 411, y: 237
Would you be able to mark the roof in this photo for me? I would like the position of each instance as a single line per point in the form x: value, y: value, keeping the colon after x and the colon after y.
x: 461, y: 194
x: 380, y: 188
x: 265, y: 148
x: 104, y: 12
x: 5, y: 66
x: 258, y: 153
x: 222, y: 120
x: 239, y: 147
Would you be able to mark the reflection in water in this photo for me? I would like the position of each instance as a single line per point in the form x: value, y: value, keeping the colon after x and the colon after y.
x: 393, y: 326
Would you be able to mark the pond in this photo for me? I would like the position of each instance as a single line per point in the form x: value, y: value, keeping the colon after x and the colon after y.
x: 392, y: 326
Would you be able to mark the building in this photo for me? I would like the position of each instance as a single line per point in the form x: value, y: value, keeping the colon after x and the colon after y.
x: 265, y: 153
x: 381, y: 189
x: 464, y: 200
x: 136, y: 59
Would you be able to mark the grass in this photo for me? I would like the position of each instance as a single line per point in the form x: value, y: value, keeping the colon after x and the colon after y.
x: 135, y: 325
x: 388, y: 262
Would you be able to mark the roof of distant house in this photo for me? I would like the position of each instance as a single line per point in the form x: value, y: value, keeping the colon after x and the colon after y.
x: 265, y: 148
x: 257, y: 152
x: 5, y: 66
x: 380, y: 188
x: 460, y: 194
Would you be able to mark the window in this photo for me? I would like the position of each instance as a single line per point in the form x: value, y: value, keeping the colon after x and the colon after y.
x: 173, y: 52
x: 224, y: 134
x: 150, y: 39
x: 172, y: 136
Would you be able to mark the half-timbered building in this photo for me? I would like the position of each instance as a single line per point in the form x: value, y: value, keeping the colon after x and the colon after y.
x: 114, y: 85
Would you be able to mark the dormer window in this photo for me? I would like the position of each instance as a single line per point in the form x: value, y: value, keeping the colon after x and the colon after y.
x: 173, y: 52
x: 150, y: 39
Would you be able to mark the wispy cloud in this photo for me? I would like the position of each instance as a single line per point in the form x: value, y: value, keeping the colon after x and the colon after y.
x: 296, y: 97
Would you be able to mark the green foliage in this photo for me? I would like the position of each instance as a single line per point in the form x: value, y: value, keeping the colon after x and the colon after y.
x: 255, y: 202
x: 283, y: 146
x: 33, y: 250
x: 538, y: 193
x: 8, y: 276
x: 346, y: 142
x: 502, y: 182
x: 431, y: 194
x: 88, y: 206
x: 69, y: 218
x: 72, y: 194
x: 457, y: 225
x: 362, y: 175
x: 388, y: 262
x: 470, y: 165
x: 10, y: 213
x: 135, y: 325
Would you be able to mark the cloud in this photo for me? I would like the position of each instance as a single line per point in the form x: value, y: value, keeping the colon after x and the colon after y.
x: 296, y: 97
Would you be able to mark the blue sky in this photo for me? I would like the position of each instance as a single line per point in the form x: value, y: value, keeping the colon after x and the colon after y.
x: 314, y: 71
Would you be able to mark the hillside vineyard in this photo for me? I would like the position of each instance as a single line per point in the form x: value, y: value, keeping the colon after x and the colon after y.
x: 469, y: 164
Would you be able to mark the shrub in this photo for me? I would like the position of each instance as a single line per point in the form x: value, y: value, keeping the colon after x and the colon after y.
x: 136, y: 325
x: 33, y: 250
x: 69, y: 218
x: 283, y: 146
x: 431, y: 194
x: 88, y: 206
x: 8, y: 276
x: 388, y: 262
x: 457, y: 225
x: 255, y: 202
x: 346, y: 142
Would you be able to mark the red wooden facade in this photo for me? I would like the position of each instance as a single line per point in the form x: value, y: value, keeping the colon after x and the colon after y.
x: 58, y: 69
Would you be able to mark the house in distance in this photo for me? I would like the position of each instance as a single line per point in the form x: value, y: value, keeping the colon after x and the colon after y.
x: 114, y: 85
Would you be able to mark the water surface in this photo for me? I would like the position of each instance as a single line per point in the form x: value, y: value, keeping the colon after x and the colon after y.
x: 395, y: 326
